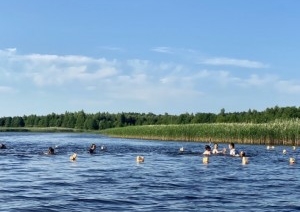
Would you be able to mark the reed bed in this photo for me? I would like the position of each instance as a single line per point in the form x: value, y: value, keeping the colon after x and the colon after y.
x: 275, y: 133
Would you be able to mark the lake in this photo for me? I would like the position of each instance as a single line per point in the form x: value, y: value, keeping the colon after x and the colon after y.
x: 168, y: 180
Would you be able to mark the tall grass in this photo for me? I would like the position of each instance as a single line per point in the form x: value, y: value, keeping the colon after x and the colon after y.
x: 275, y: 133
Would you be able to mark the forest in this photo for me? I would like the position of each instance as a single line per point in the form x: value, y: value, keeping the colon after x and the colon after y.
x: 104, y: 120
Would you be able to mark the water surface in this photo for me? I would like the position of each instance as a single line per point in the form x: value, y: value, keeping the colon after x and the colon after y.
x: 168, y: 180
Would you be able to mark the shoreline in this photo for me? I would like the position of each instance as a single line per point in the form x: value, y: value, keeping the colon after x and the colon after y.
x: 287, y: 134
x: 39, y: 129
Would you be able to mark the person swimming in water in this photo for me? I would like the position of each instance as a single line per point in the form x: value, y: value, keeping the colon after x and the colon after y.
x: 216, y: 150
x: 50, y: 151
x: 232, y: 149
x: 245, y: 159
x: 92, y: 148
x: 243, y: 154
x: 207, y: 150
x: 2, y: 146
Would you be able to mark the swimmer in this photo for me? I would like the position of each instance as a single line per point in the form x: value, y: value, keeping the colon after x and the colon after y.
x: 92, y: 148
x: 245, y: 159
x: 216, y: 151
x: 292, y: 160
x: 73, y: 157
x: 140, y: 159
x: 207, y: 150
x: 2, y: 146
x: 243, y: 154
x: 50, y: 151
x: 181, y: 149
x: 232, y: 150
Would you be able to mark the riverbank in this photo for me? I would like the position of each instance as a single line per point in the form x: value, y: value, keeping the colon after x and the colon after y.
x: 276, y: 133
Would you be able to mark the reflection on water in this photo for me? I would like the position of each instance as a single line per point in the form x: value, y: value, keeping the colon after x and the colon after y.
x: 168, y: 180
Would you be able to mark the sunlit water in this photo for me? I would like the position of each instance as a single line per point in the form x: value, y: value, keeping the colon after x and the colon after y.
x: 168, y: 180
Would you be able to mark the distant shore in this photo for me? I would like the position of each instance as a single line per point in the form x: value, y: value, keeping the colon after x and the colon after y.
x: 38, y: 129
x: 276, y: 133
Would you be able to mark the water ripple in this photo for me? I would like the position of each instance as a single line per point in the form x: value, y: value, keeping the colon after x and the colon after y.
x: 168, y: 180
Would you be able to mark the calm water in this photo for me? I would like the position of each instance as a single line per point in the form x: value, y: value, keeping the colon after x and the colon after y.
x: 111, y: 180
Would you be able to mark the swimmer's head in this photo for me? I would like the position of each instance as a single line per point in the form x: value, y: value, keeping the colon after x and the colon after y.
x: 292, y: 160
x: 242, y: 154
x: 140, y: 159
x: 92, y: 148
x: 50, y: 151
x: 73, y: 157
x: 207, y: 147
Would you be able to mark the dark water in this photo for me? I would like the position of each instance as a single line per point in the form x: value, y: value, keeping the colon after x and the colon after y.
x: 111, y: 180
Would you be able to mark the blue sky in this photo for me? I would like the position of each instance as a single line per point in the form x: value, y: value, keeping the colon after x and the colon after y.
x: 166, y: 56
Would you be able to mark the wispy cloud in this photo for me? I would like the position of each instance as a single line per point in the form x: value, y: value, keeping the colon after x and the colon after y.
x: 163, y: 49
x: 112, y: 48
x: 46, y: 69
x: 288, y: 86
x: 132, y: 82
x: 7, y: 89
x: 223, y: 61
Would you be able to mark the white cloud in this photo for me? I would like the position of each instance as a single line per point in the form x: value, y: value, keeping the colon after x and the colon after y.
x: 261, y: 80
x: 139, y: 65
x: 163, y: 49
x: 7, y: 89
x: 131, y: 83
x: 55, y: 69
x: 223, y: 61
x: 288, y: 86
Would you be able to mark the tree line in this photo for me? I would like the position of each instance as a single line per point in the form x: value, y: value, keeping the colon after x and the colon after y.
x: 99, y: 121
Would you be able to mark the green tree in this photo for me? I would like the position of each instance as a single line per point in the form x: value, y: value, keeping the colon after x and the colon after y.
x: 80, y: 120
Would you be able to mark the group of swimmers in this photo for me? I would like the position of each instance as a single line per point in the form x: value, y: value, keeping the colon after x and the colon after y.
x: 215, y: 150
x: 73, y: 157
x: 233, y: 152
x: 208, y: 151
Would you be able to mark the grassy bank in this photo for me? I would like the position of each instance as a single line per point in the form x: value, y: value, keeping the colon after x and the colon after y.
x: 276, y: 133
